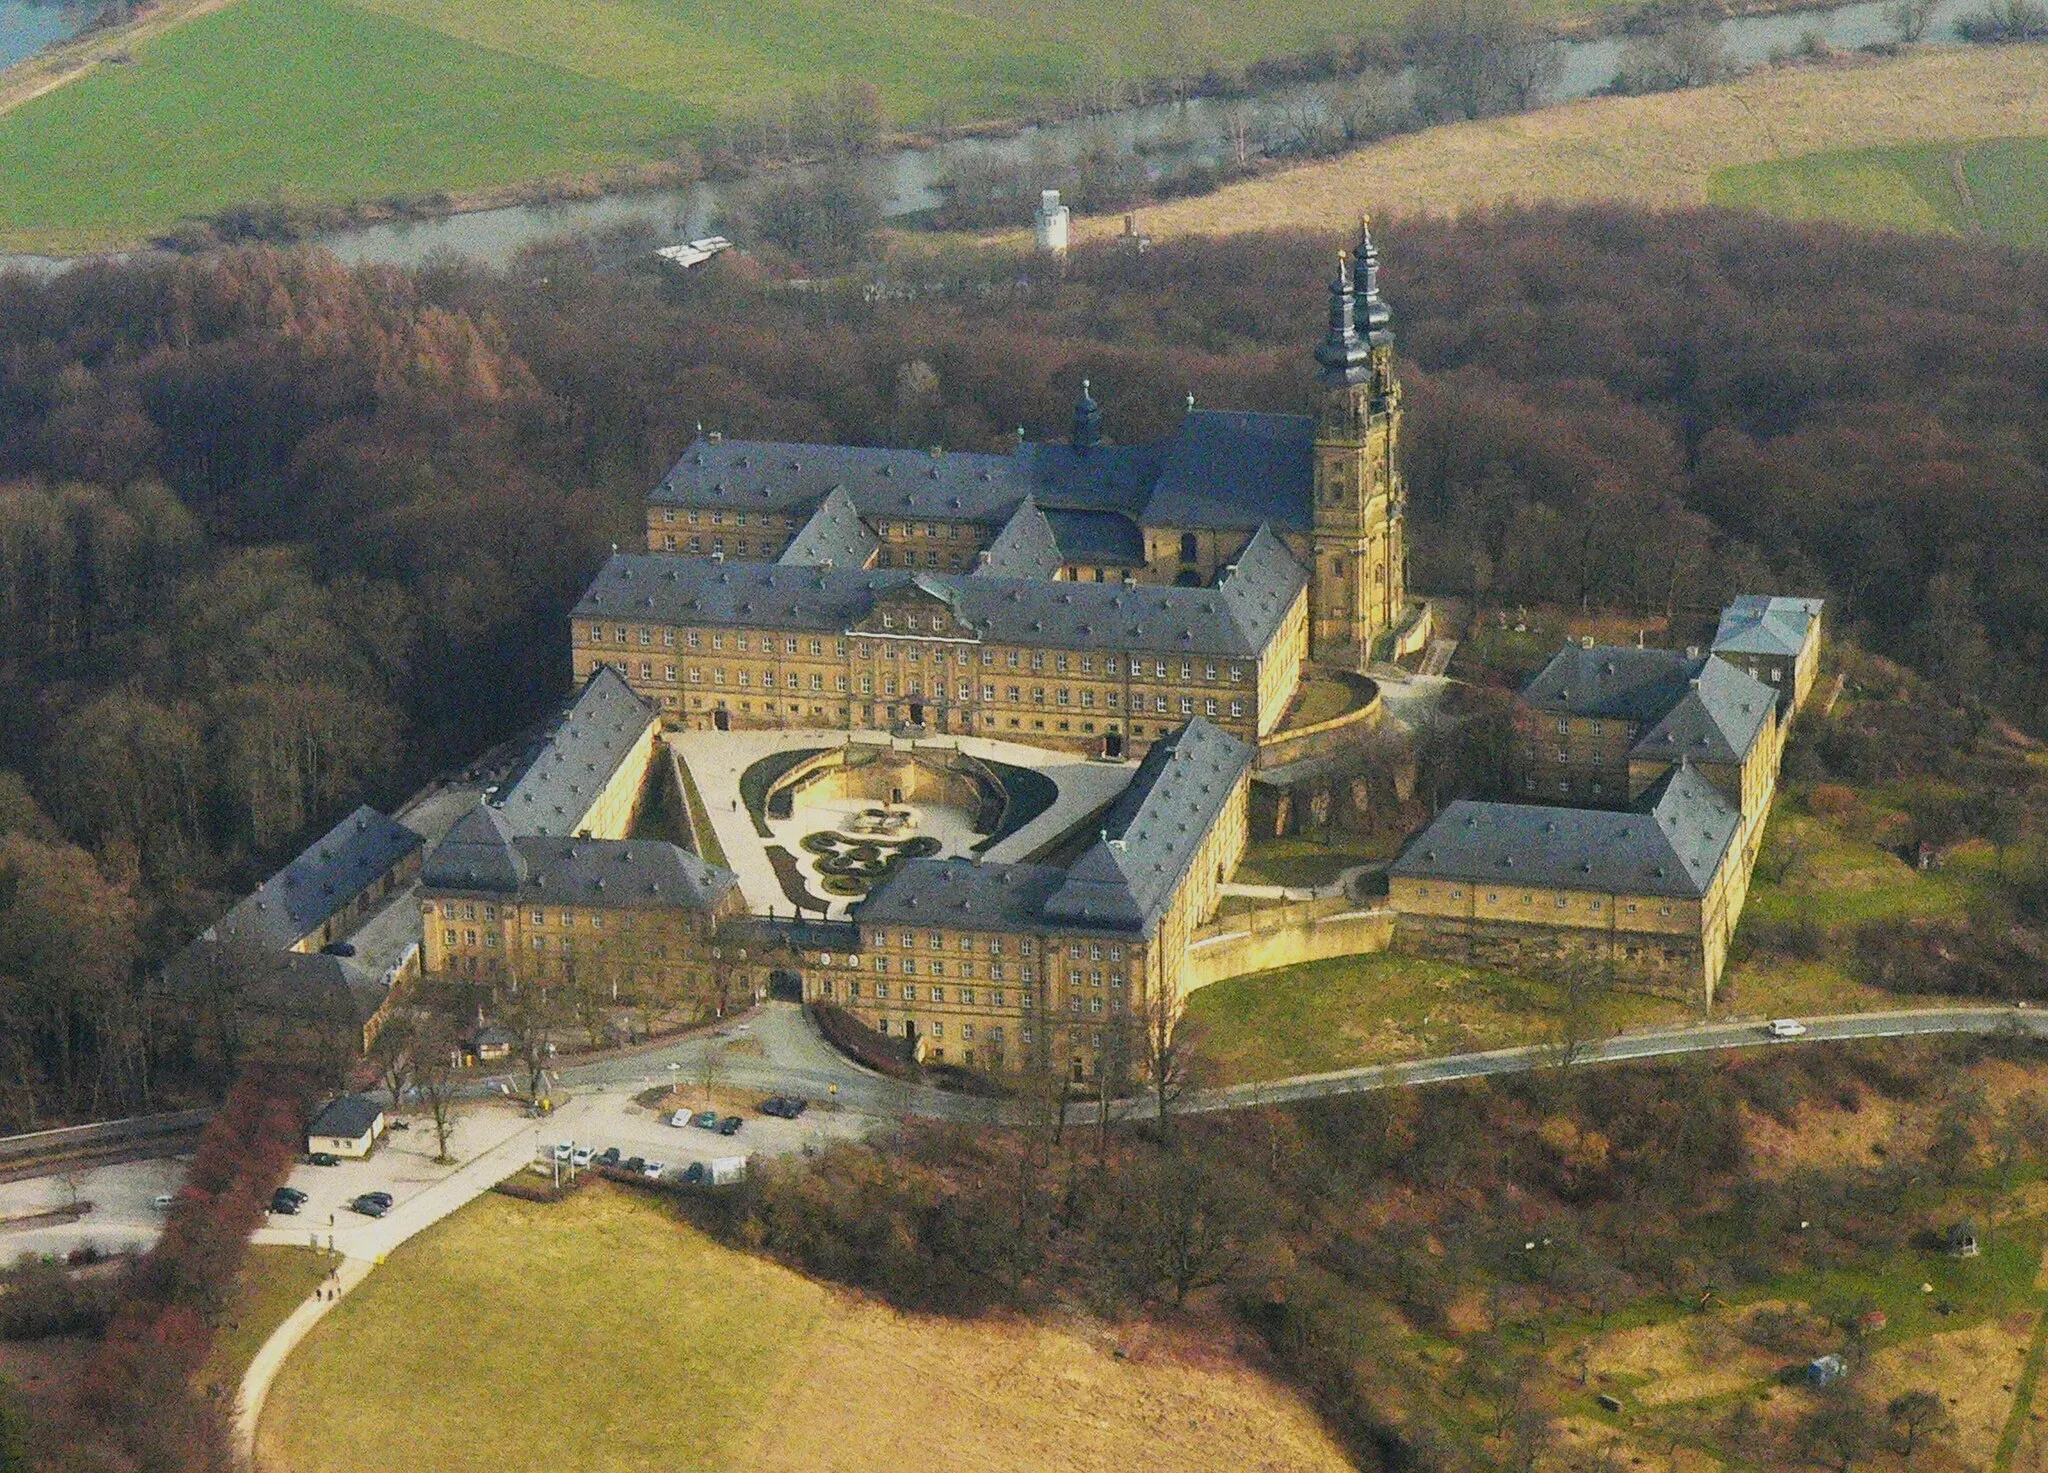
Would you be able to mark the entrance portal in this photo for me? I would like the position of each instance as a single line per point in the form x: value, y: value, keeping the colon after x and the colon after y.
x: 786, y: 986
x: 917, y: 713
x: 1113, y: 744
x: 721, y: 720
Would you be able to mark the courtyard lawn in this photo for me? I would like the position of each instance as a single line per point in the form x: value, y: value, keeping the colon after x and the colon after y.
x: 1378, y: 1009
x: 301, y: 100
x: 1997, y: 187
x: 1308, y: 862
x: 601, y: 1335
x: 275, y: 1281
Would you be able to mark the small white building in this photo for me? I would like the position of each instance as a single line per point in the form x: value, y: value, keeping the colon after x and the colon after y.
x: 347, y: 1127
x: 1051, y: 229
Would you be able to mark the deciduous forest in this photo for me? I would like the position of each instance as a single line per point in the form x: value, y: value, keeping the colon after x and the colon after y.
x: 277, y: 536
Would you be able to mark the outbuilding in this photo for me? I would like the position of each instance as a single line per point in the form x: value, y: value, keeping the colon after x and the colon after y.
x: 348, y: 1126
x: 491, y: 1043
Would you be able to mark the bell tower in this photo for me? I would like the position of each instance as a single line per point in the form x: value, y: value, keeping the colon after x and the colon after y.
x: 1360, y: 582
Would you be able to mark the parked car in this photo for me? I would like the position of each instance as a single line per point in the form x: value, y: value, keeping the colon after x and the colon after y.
x: 682, y: 1118
x: 706, y: 1120
x: 730, y: 1125
x: 162, y: 1202
x: 1785, y: 1028
x: 323, y: 1158
x: 338, y: 948
x: 653, y: 1170
x: 784, y: 1107
x: 582, y: 1156
x: 728, y: 1169
x: 633, y: 1164
x: 293, y: 1192
x: 695, y: 1175
x: 284, y: 1202
x: 609, y: 1156
x: 370, y: 1206
x: 385, y: 1197
x: 563, y: 1151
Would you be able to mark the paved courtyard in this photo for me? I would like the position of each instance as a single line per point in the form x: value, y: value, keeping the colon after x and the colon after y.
x: 716, y: 759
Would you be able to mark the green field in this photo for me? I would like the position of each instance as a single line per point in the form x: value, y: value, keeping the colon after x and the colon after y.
x: 1997, y: 188
x: 304, y: 100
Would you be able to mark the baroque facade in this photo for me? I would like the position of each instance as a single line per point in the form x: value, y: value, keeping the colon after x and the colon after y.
x: 1191, y: 577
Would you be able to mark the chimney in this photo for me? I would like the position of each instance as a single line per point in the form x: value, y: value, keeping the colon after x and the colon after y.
x: 717, y: 437
x: 1585, y: 641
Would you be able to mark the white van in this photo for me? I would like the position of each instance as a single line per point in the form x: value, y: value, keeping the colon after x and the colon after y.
x: 1785, y: 1028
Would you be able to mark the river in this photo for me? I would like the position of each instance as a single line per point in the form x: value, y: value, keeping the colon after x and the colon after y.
x: 28, y: 26
x: 906, y: 180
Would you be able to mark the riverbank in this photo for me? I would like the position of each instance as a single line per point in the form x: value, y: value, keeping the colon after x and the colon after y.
x: 1663, y: 150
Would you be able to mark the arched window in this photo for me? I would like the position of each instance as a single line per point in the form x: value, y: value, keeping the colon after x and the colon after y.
x: 1190, y: 551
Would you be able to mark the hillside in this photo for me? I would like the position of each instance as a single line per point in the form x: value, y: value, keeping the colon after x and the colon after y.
x: 482, y: 1333
x: 1662, y: 150
x: 1997, y: 188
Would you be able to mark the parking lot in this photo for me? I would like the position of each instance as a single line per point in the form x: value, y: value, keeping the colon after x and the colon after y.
x: 615, y: 1120
x: 122, y: 1215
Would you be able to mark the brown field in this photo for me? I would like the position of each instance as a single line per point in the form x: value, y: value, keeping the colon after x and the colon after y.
x: 1659, y: 150
x: 1974, y: 1370
x: 601, y: 1335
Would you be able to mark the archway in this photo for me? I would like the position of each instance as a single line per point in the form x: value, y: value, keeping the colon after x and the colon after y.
x: 721, y: 720
x: 785, y: 986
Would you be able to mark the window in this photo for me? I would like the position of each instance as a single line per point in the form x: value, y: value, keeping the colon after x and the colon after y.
x: 1187, y: 705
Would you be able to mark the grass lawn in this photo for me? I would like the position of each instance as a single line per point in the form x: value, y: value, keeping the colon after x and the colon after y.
x: 1295, y: 861
x: 1668, y: 149
x: 275, y: 1281
x: 1997, y: 188
x: 1377, y: 1009
x: 601, y: 1335
x: 707, y: 845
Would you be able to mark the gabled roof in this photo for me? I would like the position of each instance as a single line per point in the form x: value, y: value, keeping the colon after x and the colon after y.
x: 1232, y: 622
x: 340, y: 865
x: 834, y: 537
x: 1717, y: 719
x: 482, y: 856
x: 1672, y: 845
x: 347, y: 1118
x: 1151, y: 832
x: 1228, y: 469
x: 1260, y: 584
x: 478, y: 854
x: 1096, y: 538
x: 578, y: 757
x: 1025, y: 548
x: 257, y: 979
x: 1764, y: 624
x: 1218, y: 469
x: 1612, y: 681
x: 962, y: 893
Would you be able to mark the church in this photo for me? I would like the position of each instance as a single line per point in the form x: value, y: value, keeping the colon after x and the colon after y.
x: 1083, y: 595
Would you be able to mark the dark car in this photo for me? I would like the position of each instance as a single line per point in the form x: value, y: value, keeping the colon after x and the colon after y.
x: 634, y: 1164
x: 384, y: 1197
x: 706, y: 1120
x: 322, y: 1158
x: 695, y: 1174
x: 730, y: 1125
x: 609, y: 1156
x: 283, y: 1202
x: 338, y: 948
x: 293, y: 1192
x: 371, y: 1205
x: 784, y: 1107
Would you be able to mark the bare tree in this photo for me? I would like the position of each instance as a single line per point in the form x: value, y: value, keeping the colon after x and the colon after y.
x: 1171, y: 1049
x: 436, y: 1080
x: 711, y: 1069
x: 1918, y: 1415
x: 531, y: 1017
x: 392, y: 1054
x: 1239, y: 124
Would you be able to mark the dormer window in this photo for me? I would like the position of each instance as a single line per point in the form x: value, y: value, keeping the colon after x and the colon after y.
x: 888, y: 621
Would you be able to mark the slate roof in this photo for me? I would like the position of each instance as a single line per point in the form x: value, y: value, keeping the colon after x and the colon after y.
x: 1097, y: 538
x: 1672, y: 845
x: 1238, y: 618
x: 1717, y: 719
x: 577, y: 758
x: 1763, y: 624
x: 1152, y: 830
x: 962, y: 893
x: 1226, y: 469
x: 1025, y: 548
x: 1218, y: 469
x: 263, y: 980
x: 482, y: 856
x: 301, y: 897
x: 347, y: 1118
x: 1121, y: 885
x: 1612, y: 681
x: 834, y: 537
